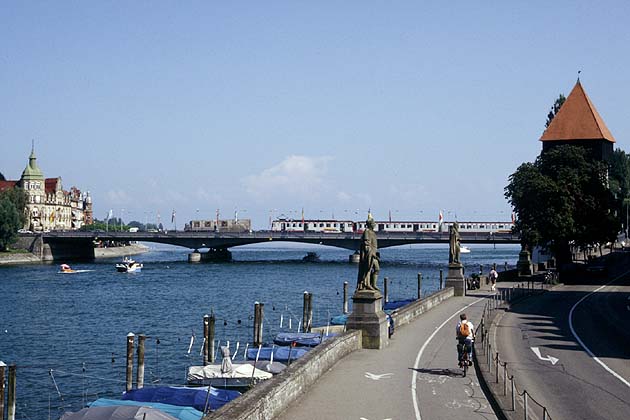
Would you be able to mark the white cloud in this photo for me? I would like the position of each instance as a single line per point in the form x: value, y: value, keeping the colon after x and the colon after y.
x: 299, y: 176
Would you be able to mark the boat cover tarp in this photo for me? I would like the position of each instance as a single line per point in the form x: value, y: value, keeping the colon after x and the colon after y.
x: 300, y: 339
x: 181, y: 413
x: 397, y: 304
x: 267, y: 366
x: 183, y: 396
x: 118, y: 412
x: 339, y: 320
x: 240, y: 370
x: 280, y: 353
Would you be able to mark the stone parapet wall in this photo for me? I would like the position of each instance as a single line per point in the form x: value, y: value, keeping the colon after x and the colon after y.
x: 270, y: 398
x: 409, y: 312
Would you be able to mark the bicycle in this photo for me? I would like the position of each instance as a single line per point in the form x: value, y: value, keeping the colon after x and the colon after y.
x: 463, y: 349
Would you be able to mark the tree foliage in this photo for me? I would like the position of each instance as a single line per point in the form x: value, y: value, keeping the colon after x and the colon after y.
x: 555, y: 109
x: 12, y: 216
x: 562, y: 198
x: 2, y: 178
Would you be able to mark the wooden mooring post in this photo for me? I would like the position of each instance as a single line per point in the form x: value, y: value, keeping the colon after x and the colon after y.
x: 3, y: 374
x: 345, y: 297
x: 441, y: 279
x: 211, y: 352
x: 307, y: 312
x: 11, y: 393
x: 385, y: 290
x: 129, y: 377
x: 140, y: 371
x: 258, y: 323
x: 419, y: 286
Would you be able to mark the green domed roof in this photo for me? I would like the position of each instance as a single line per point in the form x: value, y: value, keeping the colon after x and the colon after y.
x: 32, y: 171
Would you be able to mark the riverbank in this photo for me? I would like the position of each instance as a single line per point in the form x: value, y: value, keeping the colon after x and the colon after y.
x: 18, y: 258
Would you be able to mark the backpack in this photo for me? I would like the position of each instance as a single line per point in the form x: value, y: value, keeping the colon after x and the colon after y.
x: 464, y: 329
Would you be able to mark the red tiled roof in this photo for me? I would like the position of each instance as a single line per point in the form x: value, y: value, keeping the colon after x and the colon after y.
x: 5, y: 185
x: 577, y: 120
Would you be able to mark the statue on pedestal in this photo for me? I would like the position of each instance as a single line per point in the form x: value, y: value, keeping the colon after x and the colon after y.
x: 453, y: 254
x: 368, y: 258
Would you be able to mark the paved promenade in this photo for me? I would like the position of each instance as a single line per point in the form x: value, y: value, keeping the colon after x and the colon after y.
x: 415, y: 377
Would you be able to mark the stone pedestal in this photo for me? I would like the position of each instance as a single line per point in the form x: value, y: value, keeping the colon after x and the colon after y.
x: 524, y: 264
x: 368, y: 316
x: 455, y: 279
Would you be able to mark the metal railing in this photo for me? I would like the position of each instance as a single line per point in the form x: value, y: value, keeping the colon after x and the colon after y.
x: 502, y: 374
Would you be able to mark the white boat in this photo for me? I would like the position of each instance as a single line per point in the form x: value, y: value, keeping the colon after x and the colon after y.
x: 238, y: 376
x: 464, y: 250
x: 128, y: 266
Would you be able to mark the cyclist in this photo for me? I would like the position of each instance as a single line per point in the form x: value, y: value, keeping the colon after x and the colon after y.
x: 465, y: 338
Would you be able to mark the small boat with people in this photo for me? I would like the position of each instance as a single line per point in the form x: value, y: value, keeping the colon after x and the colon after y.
x: 66, y: 269
x: 129, y: 265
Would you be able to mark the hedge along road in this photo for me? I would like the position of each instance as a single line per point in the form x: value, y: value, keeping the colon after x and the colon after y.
x: 584, y: 328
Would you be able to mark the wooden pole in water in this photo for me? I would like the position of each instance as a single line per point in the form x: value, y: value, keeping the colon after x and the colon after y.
x: 310, y: 313
x: 305, y: 312
x: 256, y: 339
x: 385, y: 290
x: 3, y: 374
x: 345, y: 297
x: 419, y: 286
x: 441, y: 279
x: 130, y: 339
x: 11, y: 393
x: 261, y: 317
x: 206, y: 328
x: 140, y: 371
x: 211, y: 337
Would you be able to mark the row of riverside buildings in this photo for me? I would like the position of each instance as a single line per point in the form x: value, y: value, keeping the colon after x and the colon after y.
x: 48, y: 205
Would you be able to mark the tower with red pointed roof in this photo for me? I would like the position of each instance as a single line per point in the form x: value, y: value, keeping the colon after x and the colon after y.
x: 579, y: 124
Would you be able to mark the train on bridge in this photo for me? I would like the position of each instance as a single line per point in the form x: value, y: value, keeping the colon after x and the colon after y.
x: 342, y: 226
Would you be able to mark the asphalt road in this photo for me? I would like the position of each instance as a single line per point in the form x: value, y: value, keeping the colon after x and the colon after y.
x: 577, y: 386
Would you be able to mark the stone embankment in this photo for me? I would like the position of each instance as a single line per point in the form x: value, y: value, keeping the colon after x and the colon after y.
x: 36, y: 253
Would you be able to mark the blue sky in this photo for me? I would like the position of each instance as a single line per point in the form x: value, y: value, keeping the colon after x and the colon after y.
x: 271, y: 107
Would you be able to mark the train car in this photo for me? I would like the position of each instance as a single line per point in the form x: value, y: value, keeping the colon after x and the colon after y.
x: 213, y: 225
x: 323, y: 226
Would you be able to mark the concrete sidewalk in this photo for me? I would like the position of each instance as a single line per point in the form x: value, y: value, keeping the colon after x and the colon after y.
x: 415, y: 377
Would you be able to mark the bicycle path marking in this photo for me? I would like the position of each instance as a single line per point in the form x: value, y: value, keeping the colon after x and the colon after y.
x: 416, y: 364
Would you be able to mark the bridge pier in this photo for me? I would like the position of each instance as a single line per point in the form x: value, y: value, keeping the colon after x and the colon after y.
x: 194, y: 257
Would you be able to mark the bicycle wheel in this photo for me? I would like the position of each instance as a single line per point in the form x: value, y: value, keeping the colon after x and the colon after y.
x: 465, y: 367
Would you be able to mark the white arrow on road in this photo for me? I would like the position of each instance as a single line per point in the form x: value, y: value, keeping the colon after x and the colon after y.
x: 551, y: 359
x: 376, y: 377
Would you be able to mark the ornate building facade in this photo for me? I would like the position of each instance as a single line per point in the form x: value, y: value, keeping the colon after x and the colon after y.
x: 48, y: 205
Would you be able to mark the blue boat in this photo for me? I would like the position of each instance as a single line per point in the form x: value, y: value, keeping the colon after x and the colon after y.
x: 300, y: 339
x: 181, y: 413
x: 280, y: 353
x: 184, y: 396
x: 390, y: 306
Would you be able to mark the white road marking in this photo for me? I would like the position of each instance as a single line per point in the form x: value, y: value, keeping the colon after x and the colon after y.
x: 414, y: 375
x: 549, y: 358
x: 590, y: 353
x: 376, y: 377
x: 363, y: 418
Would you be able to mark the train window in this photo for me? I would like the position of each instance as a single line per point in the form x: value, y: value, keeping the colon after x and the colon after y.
x: 501, y: 226
x: 434, y: 226
x: 327, y: 224
x: 482, y: 226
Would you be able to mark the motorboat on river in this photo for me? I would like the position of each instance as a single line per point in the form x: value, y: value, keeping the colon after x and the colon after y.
x: 464, y: 250
x: 129, y: 266
x: 66, y: 269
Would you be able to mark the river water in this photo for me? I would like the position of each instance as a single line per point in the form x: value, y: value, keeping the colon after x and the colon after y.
x: 67, y: 332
